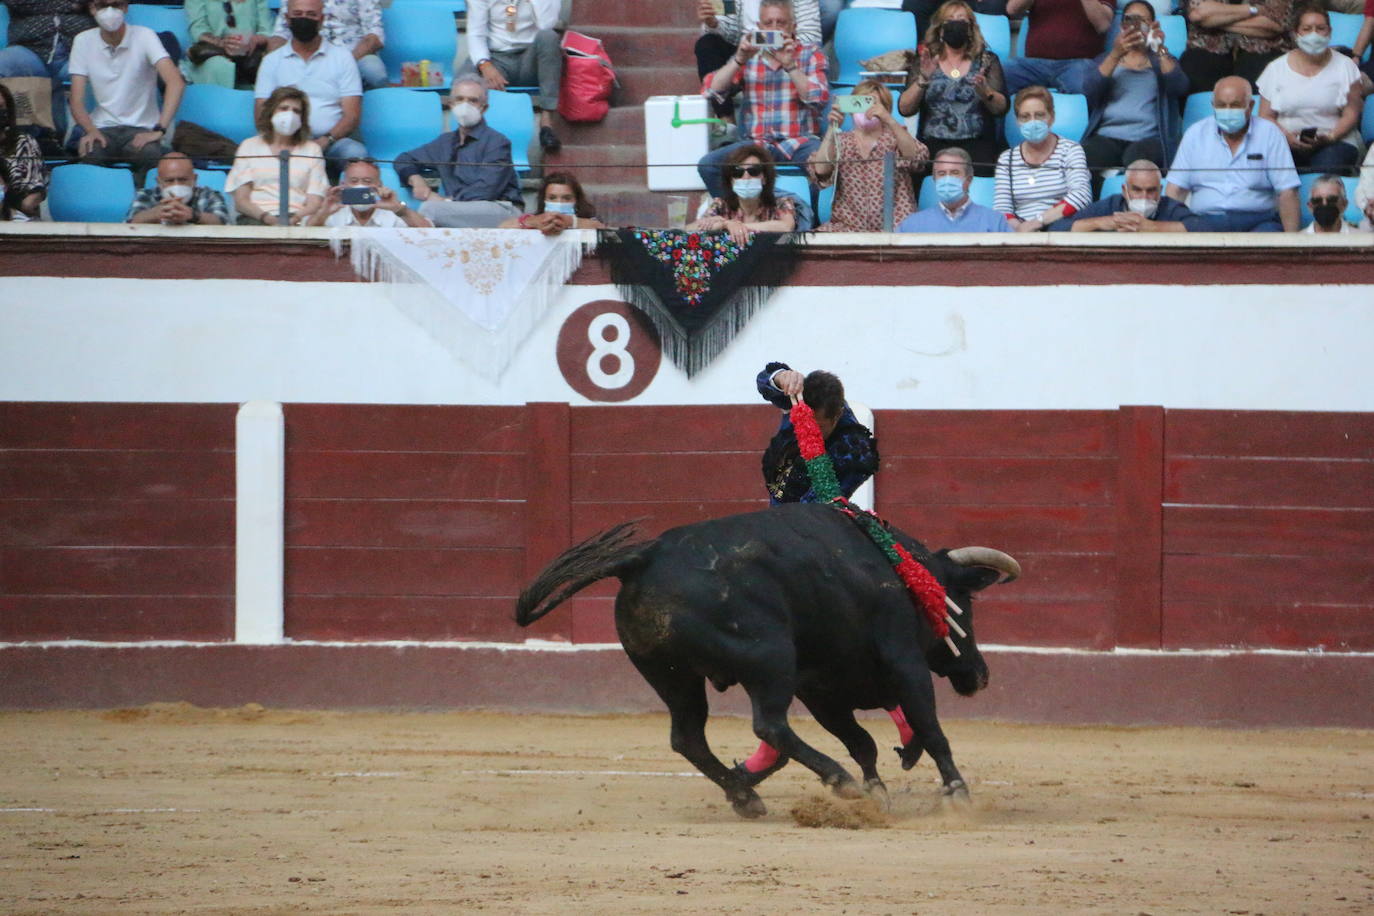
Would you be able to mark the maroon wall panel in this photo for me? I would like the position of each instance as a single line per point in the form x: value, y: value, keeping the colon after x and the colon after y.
x: 404, y: 522
x: 1040, y: 485
x: 116, y: 521
x: 1268, y: 530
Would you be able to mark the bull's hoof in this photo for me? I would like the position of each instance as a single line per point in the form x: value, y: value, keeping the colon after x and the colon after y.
x: 878, y: 792
x: 956, y: 791
x: 844, y: 786
x: 909, y: 755
x: 749, y: 807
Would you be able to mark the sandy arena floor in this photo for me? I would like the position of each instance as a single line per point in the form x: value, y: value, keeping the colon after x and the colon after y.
x: 172, y: 809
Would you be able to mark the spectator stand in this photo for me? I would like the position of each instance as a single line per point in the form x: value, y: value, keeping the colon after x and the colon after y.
x: 228, y: 112
x: 864, y: 33
x: 421, y: 30
x: 1113, y: 184
x: 996, y: 33
x: 4, y: 26
x: 1345, y: 28
x: 398, y: 119
x: 81, y: 193
x: 162, y: 19
x: 1367, y: 120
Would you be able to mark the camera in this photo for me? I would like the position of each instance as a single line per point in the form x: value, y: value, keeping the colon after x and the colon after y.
x: 852, y: 104
x: 358, y: 196
x: 766, y: 39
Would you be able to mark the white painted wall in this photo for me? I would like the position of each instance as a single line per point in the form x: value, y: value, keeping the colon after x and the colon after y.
x: 1251, y: 347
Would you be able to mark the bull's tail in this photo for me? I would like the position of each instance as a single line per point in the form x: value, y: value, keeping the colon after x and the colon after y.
x: 610, y: 553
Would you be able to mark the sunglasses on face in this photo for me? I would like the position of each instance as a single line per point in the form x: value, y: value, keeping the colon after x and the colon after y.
x: 1318, y: 201
x: 1134, y: 20
x: 753, y: 171
x: 229, y: 19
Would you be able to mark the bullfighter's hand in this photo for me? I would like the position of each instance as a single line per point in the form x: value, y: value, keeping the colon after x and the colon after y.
x: 790, y: 382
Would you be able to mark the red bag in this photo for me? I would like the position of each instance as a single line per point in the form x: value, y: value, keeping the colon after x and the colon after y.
x: 587, y: 78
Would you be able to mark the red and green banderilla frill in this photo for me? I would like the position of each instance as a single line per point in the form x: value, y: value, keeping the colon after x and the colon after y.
x: 926, y: 591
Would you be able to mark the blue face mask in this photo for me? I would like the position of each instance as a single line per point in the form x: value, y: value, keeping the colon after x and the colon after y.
x: 948, y: 189
x: 1035, y: 130
x: 748, y: 188
x: 567, y: 208
x: 1230, y: 120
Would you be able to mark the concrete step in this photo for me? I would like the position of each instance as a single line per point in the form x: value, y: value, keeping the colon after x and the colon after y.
x: 635, y: 46
x: 619, y: 164
x: 620, y: 126
x: 639, y: 83
x: 633, y: 206
x: 589, y: 15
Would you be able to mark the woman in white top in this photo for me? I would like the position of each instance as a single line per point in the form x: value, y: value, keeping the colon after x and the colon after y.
x: 1313, y: 94
x: 283, y: 123
x: 1044, y: 178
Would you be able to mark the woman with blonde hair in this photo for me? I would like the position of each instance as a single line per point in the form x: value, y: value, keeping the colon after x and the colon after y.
x: 957, y: 86
x: 1044, y: 178
x: 852, y: 161
x: 283, y: 123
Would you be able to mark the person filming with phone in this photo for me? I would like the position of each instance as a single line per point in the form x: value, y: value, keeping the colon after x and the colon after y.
x: 360, y: 199
x: 782, y: 87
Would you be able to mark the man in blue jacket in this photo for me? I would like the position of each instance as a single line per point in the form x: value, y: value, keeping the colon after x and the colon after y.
x: 1140, y: 207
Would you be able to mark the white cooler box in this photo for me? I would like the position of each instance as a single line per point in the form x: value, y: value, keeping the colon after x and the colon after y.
x: 673, y: 152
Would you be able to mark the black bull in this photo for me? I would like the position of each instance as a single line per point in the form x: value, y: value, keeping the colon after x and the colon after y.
x: 792, y: 601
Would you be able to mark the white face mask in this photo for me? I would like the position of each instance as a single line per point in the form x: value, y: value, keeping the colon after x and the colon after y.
x: 748, y: 188
x: 109, y: 18
x: 566, y: 207
x: 466, y: 114
x: 286, y: 123
x: 178, y: 191
x: 1144, y: 206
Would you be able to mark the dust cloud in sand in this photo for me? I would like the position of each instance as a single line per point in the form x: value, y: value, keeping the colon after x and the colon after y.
x: 174, y: 809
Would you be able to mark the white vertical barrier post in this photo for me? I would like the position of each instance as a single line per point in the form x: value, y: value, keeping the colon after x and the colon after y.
x: 260, y: 523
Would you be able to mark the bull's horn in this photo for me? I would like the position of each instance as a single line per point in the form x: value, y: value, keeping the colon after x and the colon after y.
x: 986, y: 556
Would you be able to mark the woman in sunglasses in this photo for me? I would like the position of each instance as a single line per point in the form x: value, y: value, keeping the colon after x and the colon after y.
x: 748, y: 204
x: 230, y: 40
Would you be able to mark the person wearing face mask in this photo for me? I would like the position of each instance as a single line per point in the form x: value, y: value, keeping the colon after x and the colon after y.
x: 951, y: 173
x: 1140, y: 207
x: 478, y: 181
x: 21, y: 164
x: 748, y: 202
x: 121, y: 64
x: 514, y: 41
x: 176, y: 199
x: 852, y: 161
x: 255, y: 179
x: 561, y: 204
x: 957, y: 87
x: 781, y: 94
x: 1327, y: 202
x: 1134, y: 92
x: 1045, y: 177
x: 1237, y: 168
x: 354, y: 25
x: 325, y: 72
x: 1233, y: 39
x: 388, y: 211
x: 1315, y: 96
x: 40, y: 42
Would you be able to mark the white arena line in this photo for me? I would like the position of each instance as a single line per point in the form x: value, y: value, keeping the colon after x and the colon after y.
x: 574, y: 773
x: 99, y: 811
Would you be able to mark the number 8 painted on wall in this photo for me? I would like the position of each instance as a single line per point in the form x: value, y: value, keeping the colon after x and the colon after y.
x: 608, y: 351
x: 617, y: 347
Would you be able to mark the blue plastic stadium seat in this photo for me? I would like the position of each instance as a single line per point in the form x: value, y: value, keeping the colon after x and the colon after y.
x: 1199, y: 106
x: 981, y: 192
x: 83, y: 193
x: 419, y: 31
x: 1112, y: 185
x: 996, y: 33
x: 225, y: 111
x: 209, y: 178
x: 1070, y: 118
x: 391, y: 180
x: 825, y: 200
x: 1345, y: 28
x: 396, y: 120
x: 162, y: 19
x: 1352, y: 212
x: 4, y: 26
x: 1367, y: 120
x: 512, y: 113
x: 864, y: 33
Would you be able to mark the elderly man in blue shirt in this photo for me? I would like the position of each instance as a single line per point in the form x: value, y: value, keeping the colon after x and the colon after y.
x: 1140, y: 207
x: 1238, y: 167
x: 480, y: 188
x: 952, y: 173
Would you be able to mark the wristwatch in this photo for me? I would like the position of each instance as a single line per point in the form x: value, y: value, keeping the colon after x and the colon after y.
x: 1254, y: 10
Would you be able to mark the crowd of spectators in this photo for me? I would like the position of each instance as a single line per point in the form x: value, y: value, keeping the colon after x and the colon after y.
x: 1283, y: 101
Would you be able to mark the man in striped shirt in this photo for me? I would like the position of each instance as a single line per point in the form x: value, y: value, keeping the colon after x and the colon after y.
x: 784, y: 91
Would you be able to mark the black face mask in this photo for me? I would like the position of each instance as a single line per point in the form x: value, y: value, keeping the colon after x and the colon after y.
x: 302, y: 29
x: 1326, y: 215
x: 955, y: 33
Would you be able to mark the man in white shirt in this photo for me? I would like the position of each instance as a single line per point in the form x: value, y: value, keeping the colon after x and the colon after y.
x: 388, y: 212
x: 1327, y: 201
x: 121, y: 65
x: 513, y: 41
x: 352, y: 24
x: 326, y: 73
x: 1237, y: 167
